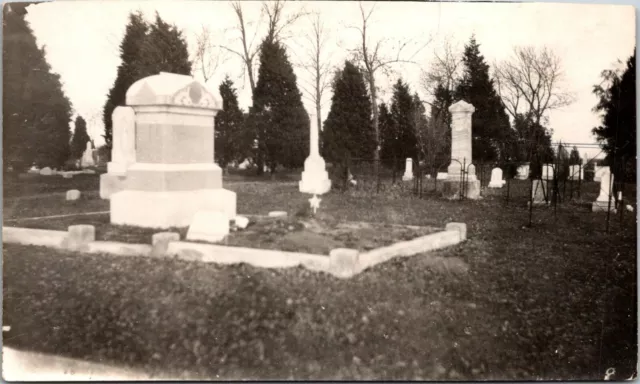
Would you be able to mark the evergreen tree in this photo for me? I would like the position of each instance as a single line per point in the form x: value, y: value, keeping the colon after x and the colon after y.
x: 230, y: 139
x: 490, y: 124
x: 35, y: 113
x: 439, y: 129
x: 79, y: 139
x: 145, y: 50
x: 574, y: 157
x: 388, y: 136
x: 420, y: 128
x: 404, y: 144
x: 617, y: 132
x: 281, y: 122
x: 348, y: 130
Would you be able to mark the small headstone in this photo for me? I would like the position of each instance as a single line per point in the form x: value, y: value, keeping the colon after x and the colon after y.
x: 442, y: 176
x: 67, y: 175
x: 277, y: 214
x: 73, y: 194
x: 211, y: 226
x: 241, y: 222
x: 408, y: 170
x: 629, y: 208
x: 523, y: 172
x: 602, y: 203
x: 46, y: 171
x: 34, y: 170
x: 496, y: 178
x: 428, y: 176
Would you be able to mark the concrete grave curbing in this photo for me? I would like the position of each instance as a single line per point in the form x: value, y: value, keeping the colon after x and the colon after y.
x: 342, y: 262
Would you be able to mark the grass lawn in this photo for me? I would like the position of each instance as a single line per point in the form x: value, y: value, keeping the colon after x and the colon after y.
x: 554, y: 301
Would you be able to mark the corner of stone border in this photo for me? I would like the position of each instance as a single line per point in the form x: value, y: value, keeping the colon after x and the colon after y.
x: 343, y: 262
x: 460, y: 227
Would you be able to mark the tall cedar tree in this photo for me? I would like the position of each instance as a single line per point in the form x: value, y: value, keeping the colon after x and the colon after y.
x: 79, y: 139
x: 145, y: 50
x: 617, y: 131
x: 574, y: 157
x: 230, y: 143
x: 388, y: 136
x: 348, y: 130
x: 533, y: 143
x: 420, y: 128
x: 279, y: 118
x: 35, y: 111
x: 440, y: 128
x: 403, y: 144
x: 491, y: 131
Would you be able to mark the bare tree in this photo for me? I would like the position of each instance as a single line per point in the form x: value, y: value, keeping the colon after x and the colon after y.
x: 277, y: 24
x: 531, y: 81
x: 207, y: 56
x: 373, y: 59
x: 317, y: 64
x: 445, y: 70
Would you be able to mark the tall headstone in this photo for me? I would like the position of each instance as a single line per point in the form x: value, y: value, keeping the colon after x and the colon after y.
x: 174, y: 175
x: 461, y: 155
x: 539, y: 192
x: 87, y: 157
x: 496, y: 178
x: 598, y: 172
x: 576, y: 172
x: 602, y: 202
x: 547, y: 172
x: 523, y: 172
x: 123, y: 151
x: 315, y: 179
x: 408, y: 170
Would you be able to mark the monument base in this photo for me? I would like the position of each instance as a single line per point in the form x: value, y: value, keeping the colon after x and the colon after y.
x: 407, y: 177
x: 603, y: 206
x: 111, y: 183
x: 168, y: 209
x: 315, y: 179
x: 497, y: 184
x: 451, y: 188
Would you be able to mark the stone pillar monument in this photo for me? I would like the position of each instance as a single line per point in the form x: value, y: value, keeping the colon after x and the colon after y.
x: 408, y: 170
x: 123, y: 151
x: 174, y: 175
x: 461, y: 154
x: 602, y: 202
x: 87, y: 157
x: 315, y: 179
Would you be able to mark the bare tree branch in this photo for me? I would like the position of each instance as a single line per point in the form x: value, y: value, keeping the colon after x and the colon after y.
x: 532, y: 79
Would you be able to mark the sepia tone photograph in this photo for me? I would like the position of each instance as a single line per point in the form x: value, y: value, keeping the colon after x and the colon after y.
x: 319, y: 190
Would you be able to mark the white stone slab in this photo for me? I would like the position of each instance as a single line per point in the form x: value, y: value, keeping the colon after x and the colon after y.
x: 73, y: 194
x: 46, y: 171
x: 210, y: 226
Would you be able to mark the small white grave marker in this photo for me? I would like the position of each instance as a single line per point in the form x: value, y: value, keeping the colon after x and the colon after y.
x: 315, y: 203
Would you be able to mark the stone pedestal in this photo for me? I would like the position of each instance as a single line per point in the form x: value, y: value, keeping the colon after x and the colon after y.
x: 123, y: 151
x: 408, y: 170
x: 87, y: 157
x: 602, y: 203
x: 174, y: 176
x: 461, y: 155
x: 315, y: 179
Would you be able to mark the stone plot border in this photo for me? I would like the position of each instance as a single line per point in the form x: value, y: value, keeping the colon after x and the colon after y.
x: 341, y: 262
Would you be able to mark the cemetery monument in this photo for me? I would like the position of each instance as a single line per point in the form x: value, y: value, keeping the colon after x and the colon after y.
x: 87, y: 157
x: 174, y: 175
x: 315, y: 179
x: 461, y: 155
x: 602, y: 203
x: 408, y: 170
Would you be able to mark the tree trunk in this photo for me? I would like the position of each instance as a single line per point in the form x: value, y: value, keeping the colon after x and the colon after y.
x: 374, y: 107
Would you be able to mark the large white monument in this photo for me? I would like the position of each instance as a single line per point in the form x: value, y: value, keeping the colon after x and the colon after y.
x: 461, y: 154
x: 315, y: 179
x: 174, y: 175
x: 604, y: 201
x: 123, y: 151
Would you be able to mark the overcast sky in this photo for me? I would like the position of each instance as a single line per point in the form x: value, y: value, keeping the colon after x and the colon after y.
x: 82, y: 39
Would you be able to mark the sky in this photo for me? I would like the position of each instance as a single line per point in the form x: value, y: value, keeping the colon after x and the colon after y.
x: 82, y: 38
